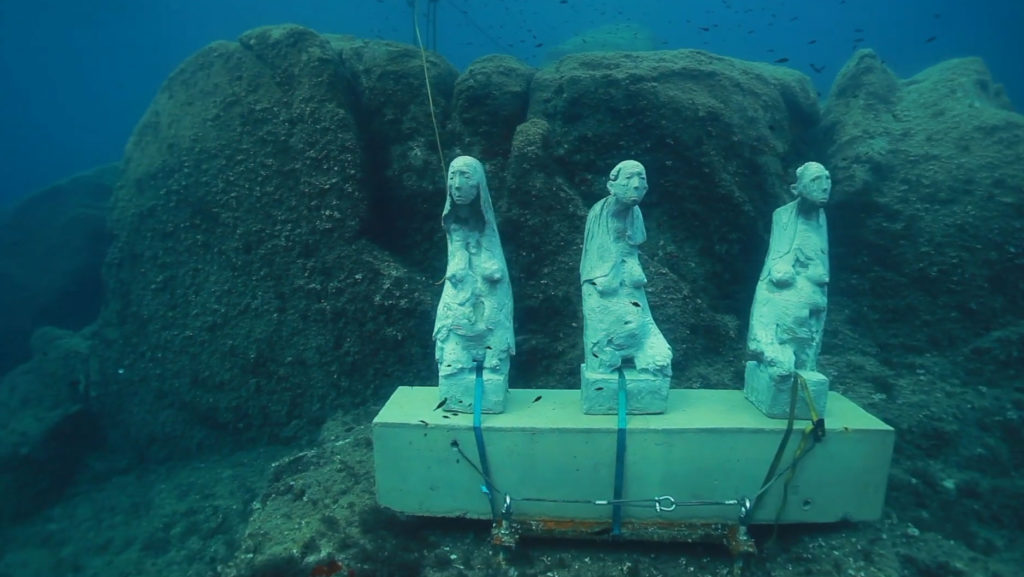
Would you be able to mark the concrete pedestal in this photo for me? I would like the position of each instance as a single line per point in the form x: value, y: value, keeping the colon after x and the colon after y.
x: 646, y: 394
x: 772, y: 393
x: 458, y: 392
x: 554, y: 462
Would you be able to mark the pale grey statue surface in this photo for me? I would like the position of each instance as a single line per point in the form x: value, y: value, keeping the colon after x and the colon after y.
x: 618, y: 329
x: 474, y: 316
x: 788, y: 313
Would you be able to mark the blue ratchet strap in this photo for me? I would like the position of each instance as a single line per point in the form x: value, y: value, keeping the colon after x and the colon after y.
x: 620, y: 456
x: 478, y: 401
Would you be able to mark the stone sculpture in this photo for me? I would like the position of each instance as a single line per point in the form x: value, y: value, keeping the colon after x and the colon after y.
x: 474, y: 318
x: 788, y: 313
x: 618, y: 330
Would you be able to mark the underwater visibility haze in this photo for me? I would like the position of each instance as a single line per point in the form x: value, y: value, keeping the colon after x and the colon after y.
x: 221, y: 244
x: 78, y: 76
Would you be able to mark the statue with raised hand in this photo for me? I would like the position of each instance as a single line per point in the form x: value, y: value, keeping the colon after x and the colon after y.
x: 787, y: 317
x: 620, y: 338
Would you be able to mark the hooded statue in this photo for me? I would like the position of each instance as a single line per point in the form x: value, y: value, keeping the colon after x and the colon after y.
x: 474, y: 316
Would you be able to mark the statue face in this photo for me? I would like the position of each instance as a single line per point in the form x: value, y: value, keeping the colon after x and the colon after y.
x: 463, y: 183
x: 814, y: 184
x: 631, y: 184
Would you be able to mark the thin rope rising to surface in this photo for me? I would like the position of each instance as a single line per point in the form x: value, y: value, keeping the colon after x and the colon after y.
x: 430, y: 96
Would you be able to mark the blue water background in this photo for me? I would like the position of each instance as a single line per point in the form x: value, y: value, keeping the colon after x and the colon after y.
x: 77, y: 76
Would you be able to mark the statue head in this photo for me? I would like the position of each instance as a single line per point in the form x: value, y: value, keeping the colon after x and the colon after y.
x: 468, y: 199
x: 813, y: 184
x: 628, y: 182
x: 465, y: 175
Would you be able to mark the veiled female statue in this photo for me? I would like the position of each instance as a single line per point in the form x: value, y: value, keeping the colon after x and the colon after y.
x: 473, y: 328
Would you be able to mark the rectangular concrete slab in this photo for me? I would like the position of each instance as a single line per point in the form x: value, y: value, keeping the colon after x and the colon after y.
x: 710, y: 445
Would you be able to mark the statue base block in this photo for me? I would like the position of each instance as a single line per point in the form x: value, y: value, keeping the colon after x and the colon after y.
x: 646, y: 394
x: 709, y: 448
x: 459, y: 392
x: 771, y: 395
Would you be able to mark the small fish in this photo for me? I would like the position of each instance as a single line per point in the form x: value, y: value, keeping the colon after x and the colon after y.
x: 442, y: 403
x: 704, y: 28
x: 930, y: 39
x: 538, y: 45
x: 781, y: 60
x: 858, y: 40
x: 813, y: 42
x: 537, y: 399
x: 817, y: 69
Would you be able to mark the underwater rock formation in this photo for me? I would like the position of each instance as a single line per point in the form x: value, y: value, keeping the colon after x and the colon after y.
x: 52, y: 246
x: 927, y: 177
x: 277, y: 259
x: 715, y: 133
x: 251, y: 263
x: 491, y: 99
x: 258, y: 280
x: 46, y: 424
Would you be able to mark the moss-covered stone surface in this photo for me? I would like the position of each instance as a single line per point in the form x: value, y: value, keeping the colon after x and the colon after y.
x: 52, y: 246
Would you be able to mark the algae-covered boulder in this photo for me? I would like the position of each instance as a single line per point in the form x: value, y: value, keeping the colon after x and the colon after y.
x: 928, y: 177
x: 52, y: 246
x: 926, y: 225
x: 717, y: 137
x: 247, y: 298
x: 47, y: 426
x: 491, y: 100
x: 402, y: 176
